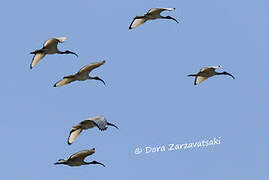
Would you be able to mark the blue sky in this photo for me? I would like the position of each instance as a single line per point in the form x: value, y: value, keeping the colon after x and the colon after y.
x: 148, y: 94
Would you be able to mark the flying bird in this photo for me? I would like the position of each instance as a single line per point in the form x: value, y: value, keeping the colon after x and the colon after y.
x: 99, y: 121
x: 206, y: 73
x: 77, y: 159
x: 49, y: 47
x: 152, y: 14
x: 81, y: 75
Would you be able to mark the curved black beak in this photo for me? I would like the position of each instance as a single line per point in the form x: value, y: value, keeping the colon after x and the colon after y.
x: 225, y: 73
x: 74, y: 53
x: 99, y: 79
x: 70, y: 52
x: 169, y: 17
x: 95, y: 162
x: 110, y: 124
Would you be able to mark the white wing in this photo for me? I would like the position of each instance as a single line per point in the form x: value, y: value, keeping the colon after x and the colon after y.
x: 100, y: 122
x: 199, y: 79
x: 82, y: 154
x: 159, y: 10
x: 61, y: 39
x: 65, y: 80
x: 73, y: 135
x: 53, y: 42
x: 88, y: 68
x: 137, y: 22
x: 37, y: 57
x: 210, y: 67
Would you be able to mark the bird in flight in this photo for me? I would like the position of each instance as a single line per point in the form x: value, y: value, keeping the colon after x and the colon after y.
x: 49, y: 47
x: 81, y: 75
x: 77, y: 159
x: 206, y: 73
x: 97, y: 121
x: 152, y: 14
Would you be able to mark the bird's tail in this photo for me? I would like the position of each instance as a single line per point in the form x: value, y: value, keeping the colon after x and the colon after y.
x: 37, y: 51
x: 192, y: 75
x: 58, y: 163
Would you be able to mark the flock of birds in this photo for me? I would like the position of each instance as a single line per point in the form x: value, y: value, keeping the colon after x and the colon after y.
x: 51, y: 47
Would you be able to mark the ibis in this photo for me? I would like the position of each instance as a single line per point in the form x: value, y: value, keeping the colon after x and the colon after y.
x: 99, y: 121
x: 152, y: 14
x: 49, y: 47
x: 81, y: 75
x: 206, y: 73
x: 77, y: 159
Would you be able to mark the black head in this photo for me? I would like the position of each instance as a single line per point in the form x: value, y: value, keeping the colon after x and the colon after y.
x: 169, y: 17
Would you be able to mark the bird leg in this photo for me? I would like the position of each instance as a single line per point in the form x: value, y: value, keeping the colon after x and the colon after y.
x: 60, y: 161
x: 192, y: 75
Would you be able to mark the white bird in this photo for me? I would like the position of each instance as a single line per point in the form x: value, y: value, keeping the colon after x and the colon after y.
x: 152, y: 14
x: 81, y: 75
x: 77, y: 159
x: 49, y: 47
x: 206, y: 73
x: 98, y: 121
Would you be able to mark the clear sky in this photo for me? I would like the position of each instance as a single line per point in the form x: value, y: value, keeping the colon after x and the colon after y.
x: 148, y: 94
